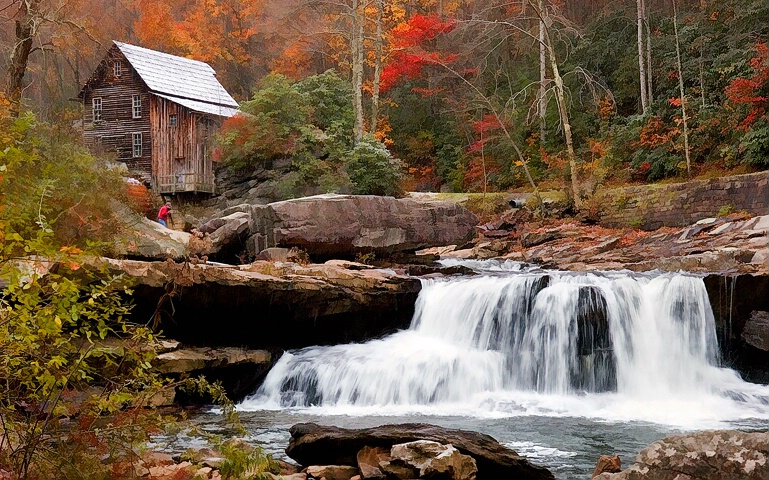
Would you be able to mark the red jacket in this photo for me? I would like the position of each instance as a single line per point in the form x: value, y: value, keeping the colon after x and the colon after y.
x: 165, y: 210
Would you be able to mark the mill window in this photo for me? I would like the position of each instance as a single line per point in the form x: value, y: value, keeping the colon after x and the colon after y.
x: 137, y: 106
x: 172, y: 120
x: 137, y: 145
x: 96, y: 104
x: 117, y: 69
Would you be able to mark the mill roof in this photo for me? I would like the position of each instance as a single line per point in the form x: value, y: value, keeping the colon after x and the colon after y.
x: 190, y: 83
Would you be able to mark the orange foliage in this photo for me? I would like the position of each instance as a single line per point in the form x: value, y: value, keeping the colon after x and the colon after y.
x: 294, y: 62
x: 656, y: 133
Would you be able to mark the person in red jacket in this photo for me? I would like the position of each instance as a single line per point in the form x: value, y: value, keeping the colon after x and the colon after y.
x: 164, y: 213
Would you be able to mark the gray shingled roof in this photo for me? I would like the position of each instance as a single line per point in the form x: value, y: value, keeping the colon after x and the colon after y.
x: 202, y: 107
x: 177, y: 76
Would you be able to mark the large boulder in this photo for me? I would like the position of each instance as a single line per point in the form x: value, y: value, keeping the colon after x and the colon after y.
x: 313, y: 444
x: 344, y: 225
x: 145, y: 239
x: 709, y: 455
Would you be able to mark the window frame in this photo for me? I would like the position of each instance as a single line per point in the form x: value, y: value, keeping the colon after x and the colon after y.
x: 97, y: 113
x: 173, y: 120
x: 136, y: 106
x: 117, y: 69
x: 136, y: 147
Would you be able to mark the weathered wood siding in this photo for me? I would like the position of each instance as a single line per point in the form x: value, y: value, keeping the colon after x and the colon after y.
x: 181, y: 152
x: 113, y: 135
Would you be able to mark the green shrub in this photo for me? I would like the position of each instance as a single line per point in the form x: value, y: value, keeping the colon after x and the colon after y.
x: 372, y: 169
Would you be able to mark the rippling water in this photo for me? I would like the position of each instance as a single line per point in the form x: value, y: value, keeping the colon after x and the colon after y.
x: 561, y: 367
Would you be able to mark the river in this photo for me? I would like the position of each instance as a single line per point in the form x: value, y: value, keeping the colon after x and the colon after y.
x: 562, y: 367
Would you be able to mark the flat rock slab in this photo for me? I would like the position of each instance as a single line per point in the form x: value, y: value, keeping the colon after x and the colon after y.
x: 313, y: 444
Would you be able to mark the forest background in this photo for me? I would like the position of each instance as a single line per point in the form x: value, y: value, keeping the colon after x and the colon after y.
x: 376, y: 96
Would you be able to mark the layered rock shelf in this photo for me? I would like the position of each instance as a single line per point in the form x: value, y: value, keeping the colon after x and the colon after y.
x: 270, y: 305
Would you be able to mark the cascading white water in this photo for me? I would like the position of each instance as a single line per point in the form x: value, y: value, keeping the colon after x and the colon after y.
x: 612, y: 346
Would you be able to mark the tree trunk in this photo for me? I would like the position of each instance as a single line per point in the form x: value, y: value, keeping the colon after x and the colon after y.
x: 26, y: 30
x: 377, y: 67
x: 681, y: 89
x: 564, y: 114
x: 650, y: 94
x: 356, y: 51
x: 641, y: 63
x: 542, y: 76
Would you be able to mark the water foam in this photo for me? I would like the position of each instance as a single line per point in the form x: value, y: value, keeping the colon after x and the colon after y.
x: 612, y: 347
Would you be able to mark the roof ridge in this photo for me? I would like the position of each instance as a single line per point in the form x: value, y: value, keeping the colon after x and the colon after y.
x: 165, y: 54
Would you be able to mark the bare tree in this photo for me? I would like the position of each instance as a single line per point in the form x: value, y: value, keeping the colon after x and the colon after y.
x: 640, y: 20
x: 681, y: 89
x: 542, y: 76
x: 378, y: 41
x: 547, y: 21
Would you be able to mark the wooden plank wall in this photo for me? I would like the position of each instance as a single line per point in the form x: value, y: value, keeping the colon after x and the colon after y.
x: 184, y: 148
x: 113, y: 136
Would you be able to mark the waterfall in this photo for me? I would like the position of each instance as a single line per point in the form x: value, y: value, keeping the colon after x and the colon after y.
x: 517, y: 342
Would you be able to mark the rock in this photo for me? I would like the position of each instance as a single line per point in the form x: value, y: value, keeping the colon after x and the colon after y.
x: 607, y: 464
x: 238, y: 370
x: 531, y: 239
x: 179, y: 471
x: 211, y: 225
x: 313, y: 444
x: 146, y: 239
x: 229, y: 239
x: 332, y: 472
x: 293, y: 476
x: 346, y: 225
x: 756, y: 331
x: 464, y: 253
x: 199, y: 358
x: 204, y: 472
x: 208, y: 457
x: 153, y: 459
x: 369, y: 459
x: 274, y: 254
x: 434, y: 460
x: 436, y: 250
x: 267, y: 305
x: 286, y: 468
x: 709, y: 455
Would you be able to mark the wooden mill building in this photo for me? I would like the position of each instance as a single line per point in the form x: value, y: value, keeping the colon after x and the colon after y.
x: 158, y: 113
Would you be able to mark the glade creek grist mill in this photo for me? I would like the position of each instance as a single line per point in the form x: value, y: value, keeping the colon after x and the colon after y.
x: 158, y: 113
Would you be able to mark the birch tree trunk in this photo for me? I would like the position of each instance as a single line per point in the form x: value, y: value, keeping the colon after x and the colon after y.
x: 649, y: 84
x: 641, y: 62
x: 377, y: 67
x: 542, y: 76
x: 563, y: 113
x: 681, y: 88
x: 356, y: 51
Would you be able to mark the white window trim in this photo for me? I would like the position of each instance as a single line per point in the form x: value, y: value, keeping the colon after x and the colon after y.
x: 136, y: 106
x: 94, y: 110
x: 136, y: 147
x: 117, y: 69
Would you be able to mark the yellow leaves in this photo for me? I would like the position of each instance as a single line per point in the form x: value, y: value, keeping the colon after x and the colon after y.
x: 518, y: 163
